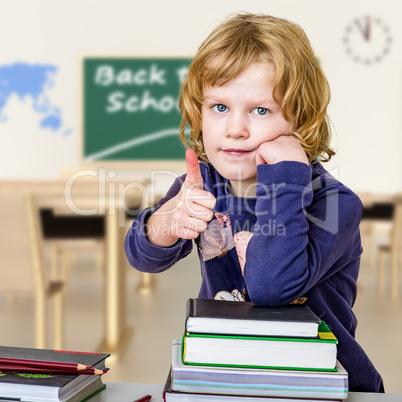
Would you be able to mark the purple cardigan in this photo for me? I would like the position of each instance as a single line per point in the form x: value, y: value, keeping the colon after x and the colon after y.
x: 298, y: 239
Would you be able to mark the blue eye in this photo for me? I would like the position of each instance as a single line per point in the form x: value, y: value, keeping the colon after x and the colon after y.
x: 220, y: 108
x: 260, y: 111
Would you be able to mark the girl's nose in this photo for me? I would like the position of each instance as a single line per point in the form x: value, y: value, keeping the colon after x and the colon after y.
x: 236, y: 126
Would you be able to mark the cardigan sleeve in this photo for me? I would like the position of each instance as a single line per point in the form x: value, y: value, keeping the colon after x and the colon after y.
x: 319, y: 221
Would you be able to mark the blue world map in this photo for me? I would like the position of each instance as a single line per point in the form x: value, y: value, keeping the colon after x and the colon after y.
x: 32, y: 81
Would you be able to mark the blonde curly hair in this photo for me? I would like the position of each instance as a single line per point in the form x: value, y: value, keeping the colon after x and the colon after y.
x: 247, y: 38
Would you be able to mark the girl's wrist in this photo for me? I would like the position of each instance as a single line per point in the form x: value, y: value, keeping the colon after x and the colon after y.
x: 157, y: 231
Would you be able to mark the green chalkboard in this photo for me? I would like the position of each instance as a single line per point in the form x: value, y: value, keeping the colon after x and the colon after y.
x: 130, y: 108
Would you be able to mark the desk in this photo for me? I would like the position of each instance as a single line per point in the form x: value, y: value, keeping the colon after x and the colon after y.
x: 103, y: 198
x: 129, y: 392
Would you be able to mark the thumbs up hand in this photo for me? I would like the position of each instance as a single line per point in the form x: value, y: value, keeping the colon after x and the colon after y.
x: 193, y: 177
x: 187, y: 214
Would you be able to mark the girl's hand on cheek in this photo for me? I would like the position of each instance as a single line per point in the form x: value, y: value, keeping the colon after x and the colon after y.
x: 282, y: 148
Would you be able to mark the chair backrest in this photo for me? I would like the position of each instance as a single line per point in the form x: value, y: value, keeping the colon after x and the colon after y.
x: 35, y: 237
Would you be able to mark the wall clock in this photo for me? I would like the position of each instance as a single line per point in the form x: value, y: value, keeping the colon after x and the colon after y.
x: 367, y: 40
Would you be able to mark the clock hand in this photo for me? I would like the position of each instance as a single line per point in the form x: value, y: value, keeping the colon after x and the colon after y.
x: 366, y: 31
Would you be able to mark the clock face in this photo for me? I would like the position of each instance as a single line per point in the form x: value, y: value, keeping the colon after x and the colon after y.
x: 367, y: 40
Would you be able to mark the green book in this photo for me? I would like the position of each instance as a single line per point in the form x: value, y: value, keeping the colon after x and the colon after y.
x: 262, y: 352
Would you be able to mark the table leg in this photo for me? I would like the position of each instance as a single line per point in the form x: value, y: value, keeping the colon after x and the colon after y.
x: 116, y: 329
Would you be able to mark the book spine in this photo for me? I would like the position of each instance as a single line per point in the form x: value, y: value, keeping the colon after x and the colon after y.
x: 183, y: 348
x: 190, y: 308
x: 189, y: 311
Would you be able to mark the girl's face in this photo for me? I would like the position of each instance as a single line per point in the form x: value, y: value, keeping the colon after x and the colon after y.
x: 237, y: 118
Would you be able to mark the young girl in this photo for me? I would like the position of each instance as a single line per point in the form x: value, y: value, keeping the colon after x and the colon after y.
x: 270, y: 224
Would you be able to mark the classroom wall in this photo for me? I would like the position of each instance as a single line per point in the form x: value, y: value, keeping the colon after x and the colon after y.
x: 40, y: 131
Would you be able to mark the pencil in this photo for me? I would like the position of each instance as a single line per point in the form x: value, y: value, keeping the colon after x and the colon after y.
x: 43, y: 370
x: 145, y: 398
x: 43, y: 363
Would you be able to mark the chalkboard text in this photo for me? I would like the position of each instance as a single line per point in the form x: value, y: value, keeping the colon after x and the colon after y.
x: 106, y: 75
x: 119, y: 101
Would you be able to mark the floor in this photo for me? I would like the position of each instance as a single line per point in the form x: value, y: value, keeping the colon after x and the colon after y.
x: 155, y: 317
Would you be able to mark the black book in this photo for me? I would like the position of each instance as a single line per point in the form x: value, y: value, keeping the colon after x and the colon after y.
x: 20, y: 386
x: 221, y: 317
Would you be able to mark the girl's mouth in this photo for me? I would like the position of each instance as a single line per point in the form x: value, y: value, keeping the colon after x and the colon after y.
x: 235, y: 152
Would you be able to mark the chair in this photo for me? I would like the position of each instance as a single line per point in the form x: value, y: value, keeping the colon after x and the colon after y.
x: 68, y: 233
x: 393, y: 249
x: 50, y: 226
x: 376, y: 220
x: 45, y: 288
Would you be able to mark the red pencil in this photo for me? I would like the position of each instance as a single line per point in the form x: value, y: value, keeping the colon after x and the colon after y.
x: 42, y: 370
x: 44, y: 364
x: 145, y: 398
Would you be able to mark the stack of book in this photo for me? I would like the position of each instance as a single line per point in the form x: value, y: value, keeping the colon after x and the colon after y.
x: 238, y: 351
x: 28, y: 374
